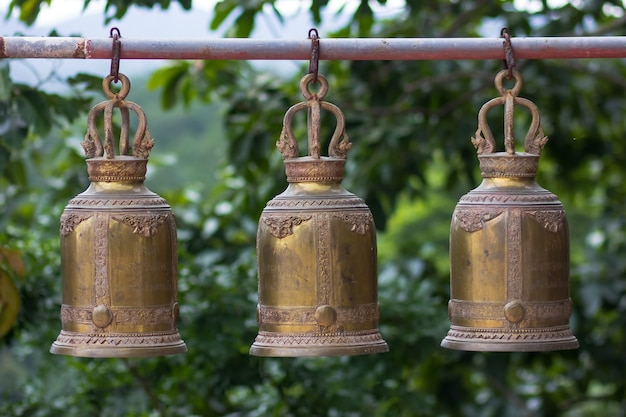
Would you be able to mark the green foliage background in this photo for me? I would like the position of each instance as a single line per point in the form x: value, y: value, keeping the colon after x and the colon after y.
x: 412, y: 159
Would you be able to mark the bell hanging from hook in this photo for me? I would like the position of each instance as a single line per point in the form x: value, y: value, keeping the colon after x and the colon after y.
x: 509, y: 247
x: 316, y: 249
x: 118, y: 249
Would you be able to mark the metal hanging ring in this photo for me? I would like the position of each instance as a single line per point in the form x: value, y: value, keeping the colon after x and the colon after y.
x: 517, y: 87
x: 115, y: 54
x: 315, y: 53
x: 106, y: 86
x: 509, y: 54
x: 305, y: 87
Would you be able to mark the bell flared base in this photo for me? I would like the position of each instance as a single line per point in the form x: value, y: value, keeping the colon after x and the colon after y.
x: 118, y: 345
x: 302, y: 345
x: 502, y: 340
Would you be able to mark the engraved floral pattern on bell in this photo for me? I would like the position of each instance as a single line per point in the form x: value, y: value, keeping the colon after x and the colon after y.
x: 282, y: 225
x: 145, y: 225
x: 70, y: 221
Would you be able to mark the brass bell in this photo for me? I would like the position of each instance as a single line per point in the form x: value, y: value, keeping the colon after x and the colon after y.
x: 118, y: 249
x: 509, y: 247
x: 316, y: 248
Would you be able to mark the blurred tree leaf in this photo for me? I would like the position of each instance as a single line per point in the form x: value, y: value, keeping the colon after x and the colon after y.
x: 29, y: 9
x: 246, y: 13
x: 9, y: 303
x: 11, y: 267
x: 88, y: 82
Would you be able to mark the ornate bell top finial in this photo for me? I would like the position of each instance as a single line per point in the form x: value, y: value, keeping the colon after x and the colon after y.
x: 102, y: 162
x: 509, y: 163
x: 314, y: 168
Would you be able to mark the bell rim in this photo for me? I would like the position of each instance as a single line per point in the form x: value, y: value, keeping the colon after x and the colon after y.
x: 118, y: 352
x: 114, y: 345
x: 538, y: 346
x: 313, y: 351
x: 502, y: 340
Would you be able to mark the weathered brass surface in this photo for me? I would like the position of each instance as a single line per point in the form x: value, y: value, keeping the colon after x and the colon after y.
x: 509, y: 248
x: 118, y: 250
x: 316, y: 249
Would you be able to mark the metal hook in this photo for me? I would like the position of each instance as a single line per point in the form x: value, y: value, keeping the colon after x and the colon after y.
x: 115, y: 54
x: 509, y: 54
x: 315, y: 53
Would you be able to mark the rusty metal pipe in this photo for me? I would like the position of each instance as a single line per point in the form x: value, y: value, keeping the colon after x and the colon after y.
x: 330, y: 49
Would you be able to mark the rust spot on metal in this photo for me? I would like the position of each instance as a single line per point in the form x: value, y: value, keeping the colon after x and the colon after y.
x: 87, y: 48
x: 3, y: 52
x: 79, y: 52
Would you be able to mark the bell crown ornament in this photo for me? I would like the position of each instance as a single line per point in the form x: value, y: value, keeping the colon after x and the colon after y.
x: 314, y: 167
x: 118, y: 248
x: 509, y: 164
x: 509, y: 246
x: 103, y: 164
x: 316, y: 250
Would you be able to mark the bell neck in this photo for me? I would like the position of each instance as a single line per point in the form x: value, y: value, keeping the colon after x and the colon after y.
x: 518, y: 166
x: 322, y: 170
x: 502, y: 171
x: 119, y: 170
x: 510, y: 183
x: 315, y: 188
x: 116, y: 186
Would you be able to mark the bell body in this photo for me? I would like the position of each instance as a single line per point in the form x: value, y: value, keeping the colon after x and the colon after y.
x: 317, y: 267
x: 509, y: 263
x: 119, y: 262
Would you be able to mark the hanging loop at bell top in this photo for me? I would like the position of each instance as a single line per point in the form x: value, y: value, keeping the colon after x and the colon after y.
x: 142, y: 142
x: 113, y: 95
x: 483, y: 139
x: 339, y: 144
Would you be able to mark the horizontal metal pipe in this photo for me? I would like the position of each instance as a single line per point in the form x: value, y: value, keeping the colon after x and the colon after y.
x: 330, y: 49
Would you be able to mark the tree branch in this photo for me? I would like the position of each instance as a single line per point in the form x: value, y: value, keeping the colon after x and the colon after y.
x: 147, y: 387
x: 462, y: 19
